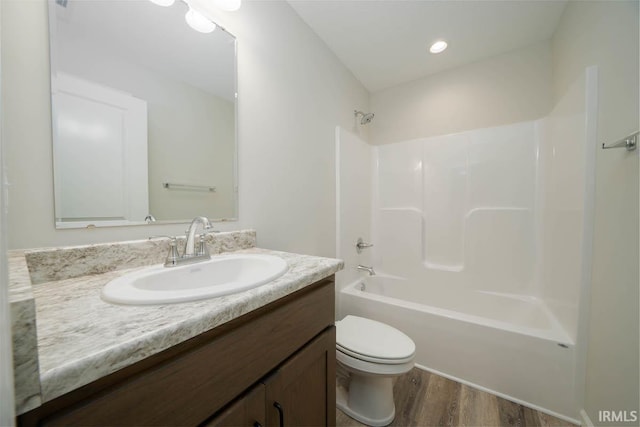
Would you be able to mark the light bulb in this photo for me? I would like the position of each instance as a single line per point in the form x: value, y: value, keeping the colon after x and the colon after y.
x: 199, y: 22
x: 438, y: 46
x: 228, y: 5
x: 165, y: 3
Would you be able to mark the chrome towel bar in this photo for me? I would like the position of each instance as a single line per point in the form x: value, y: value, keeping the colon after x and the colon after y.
x: 630, y: 143
x: 188, y: 187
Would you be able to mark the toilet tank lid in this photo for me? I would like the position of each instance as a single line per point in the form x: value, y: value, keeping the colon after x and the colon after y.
x: 371, y: 338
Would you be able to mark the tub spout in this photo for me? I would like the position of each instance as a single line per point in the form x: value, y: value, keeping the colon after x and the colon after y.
x: 367, y: 269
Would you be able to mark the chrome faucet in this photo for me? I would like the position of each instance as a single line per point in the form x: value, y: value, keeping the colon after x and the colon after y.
x: 367, y: 269
x: 191, y: 253
x: 190, y: 246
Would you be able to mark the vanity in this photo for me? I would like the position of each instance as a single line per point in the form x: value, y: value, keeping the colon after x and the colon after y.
x: 261, y: 357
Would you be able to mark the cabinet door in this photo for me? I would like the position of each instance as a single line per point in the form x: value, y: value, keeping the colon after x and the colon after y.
x: 248, y: 411
x: 302, y: 392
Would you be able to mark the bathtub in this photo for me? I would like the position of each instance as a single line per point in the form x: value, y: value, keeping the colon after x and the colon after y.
x: 509, y: 345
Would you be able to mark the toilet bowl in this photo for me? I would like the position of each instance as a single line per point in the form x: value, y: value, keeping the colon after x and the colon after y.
x: 371, y: 354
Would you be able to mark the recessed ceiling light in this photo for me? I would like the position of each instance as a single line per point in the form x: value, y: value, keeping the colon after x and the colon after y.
x: 438, y: 46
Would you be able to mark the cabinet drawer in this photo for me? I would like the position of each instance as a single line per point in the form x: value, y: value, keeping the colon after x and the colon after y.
x: 188, y: 388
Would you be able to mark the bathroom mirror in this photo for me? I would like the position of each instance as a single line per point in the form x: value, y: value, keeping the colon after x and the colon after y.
x: 143, y: 115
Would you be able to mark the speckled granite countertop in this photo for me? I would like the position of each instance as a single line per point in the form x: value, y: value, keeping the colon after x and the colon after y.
x: 81, y: 338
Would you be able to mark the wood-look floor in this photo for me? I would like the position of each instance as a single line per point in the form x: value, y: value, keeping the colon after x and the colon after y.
x: 426, y: 399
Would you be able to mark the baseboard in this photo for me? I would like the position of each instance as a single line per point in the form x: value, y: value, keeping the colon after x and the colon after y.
x: 505, y: 396
x: 586, y: 421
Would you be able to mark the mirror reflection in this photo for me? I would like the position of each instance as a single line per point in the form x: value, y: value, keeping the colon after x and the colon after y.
x: 143, y: 113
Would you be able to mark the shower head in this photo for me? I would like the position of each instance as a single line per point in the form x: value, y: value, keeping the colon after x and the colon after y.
x: 366, y: 117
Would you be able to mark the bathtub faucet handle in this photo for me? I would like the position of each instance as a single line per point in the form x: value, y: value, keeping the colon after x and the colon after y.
x: 360, y: 245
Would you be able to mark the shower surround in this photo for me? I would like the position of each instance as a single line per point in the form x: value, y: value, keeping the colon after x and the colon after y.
x: 480, y: 245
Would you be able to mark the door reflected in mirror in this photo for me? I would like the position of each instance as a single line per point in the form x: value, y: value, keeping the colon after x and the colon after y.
x: 143, y: 114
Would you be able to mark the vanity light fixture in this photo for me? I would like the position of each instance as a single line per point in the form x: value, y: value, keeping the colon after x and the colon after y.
x: 438, y: 46
x: 198, y: 21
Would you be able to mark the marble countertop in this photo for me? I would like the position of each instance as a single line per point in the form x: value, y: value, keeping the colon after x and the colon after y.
x: 81, y: 338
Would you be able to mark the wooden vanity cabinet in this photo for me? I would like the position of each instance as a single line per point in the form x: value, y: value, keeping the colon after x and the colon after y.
x: 246, y: 411
x: 274, y: 366
x: 297, y: 393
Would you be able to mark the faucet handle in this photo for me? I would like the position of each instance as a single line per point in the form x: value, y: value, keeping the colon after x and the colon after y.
x: 361, y: 244
x: 202, y: 250
x: 173, y: 255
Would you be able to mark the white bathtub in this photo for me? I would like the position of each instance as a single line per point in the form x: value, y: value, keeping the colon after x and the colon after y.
x: 511, y: 346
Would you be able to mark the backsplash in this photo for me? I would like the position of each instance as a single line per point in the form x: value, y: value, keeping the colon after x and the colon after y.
x: 51, y: 264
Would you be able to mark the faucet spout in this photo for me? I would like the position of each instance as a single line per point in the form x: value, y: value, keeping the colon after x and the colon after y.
x: 367, y: 269
x: 190, y: 245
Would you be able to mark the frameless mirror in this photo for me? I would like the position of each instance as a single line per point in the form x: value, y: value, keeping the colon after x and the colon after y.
x: 143, y: 114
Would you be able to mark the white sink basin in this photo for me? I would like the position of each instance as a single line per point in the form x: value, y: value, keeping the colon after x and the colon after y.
x: 222, y: 275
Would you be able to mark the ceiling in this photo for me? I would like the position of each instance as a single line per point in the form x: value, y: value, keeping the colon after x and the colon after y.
x: 386, y: 42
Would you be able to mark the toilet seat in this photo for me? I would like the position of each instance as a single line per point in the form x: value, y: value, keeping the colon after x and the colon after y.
x: 372, y: 341
x: 372, y: 359
x: 367, y: 368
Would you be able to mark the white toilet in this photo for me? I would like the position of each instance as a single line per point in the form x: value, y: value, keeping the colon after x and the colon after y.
x: 372, y: 353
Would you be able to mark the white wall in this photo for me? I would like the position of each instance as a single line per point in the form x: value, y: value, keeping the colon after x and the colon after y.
x: 6, y: 352
x: 292, y: 93
x: 288, y: 112
x: 606, y: 34
x: 354, y: 159
x: 509, y: 88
